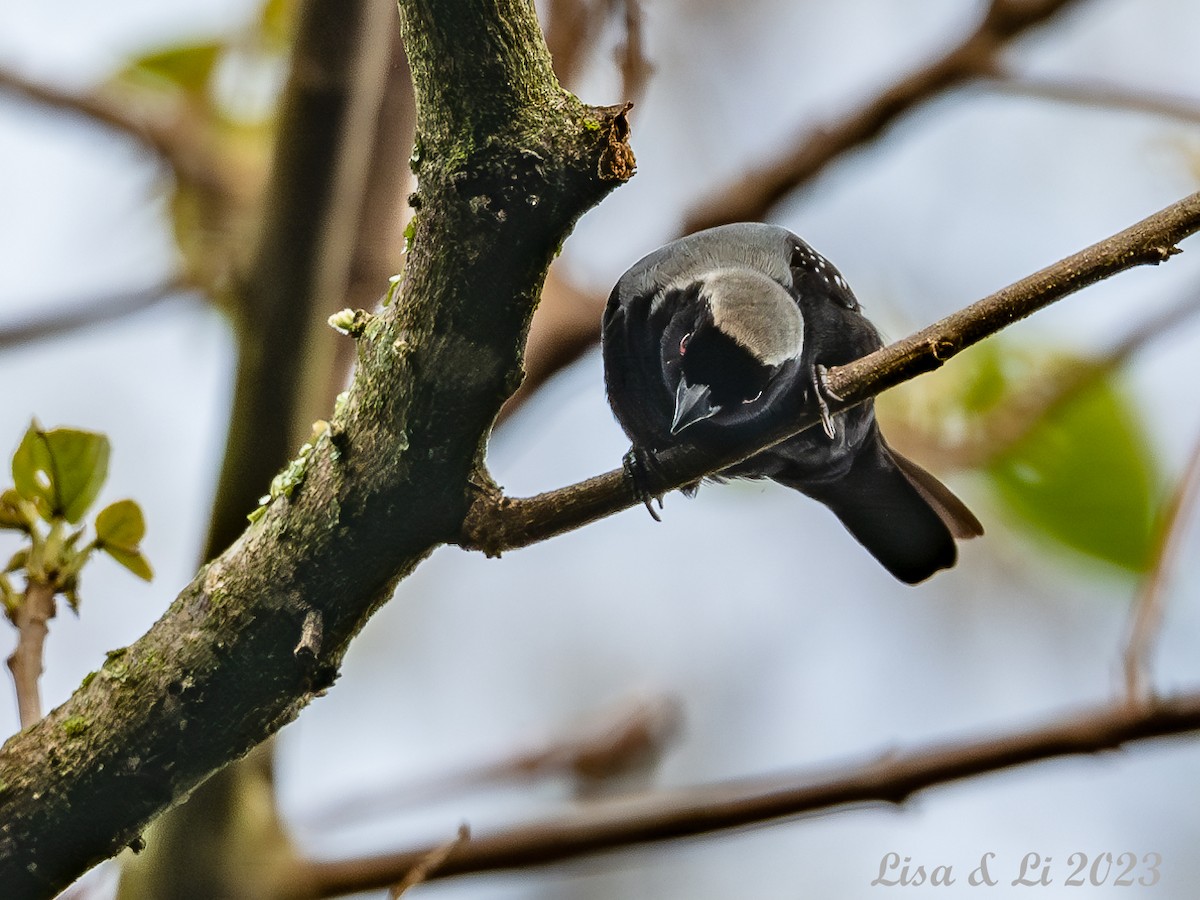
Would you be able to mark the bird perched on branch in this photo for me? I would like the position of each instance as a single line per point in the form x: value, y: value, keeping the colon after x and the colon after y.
x: 718, y: 337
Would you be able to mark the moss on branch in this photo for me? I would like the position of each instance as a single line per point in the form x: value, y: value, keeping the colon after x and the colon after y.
x: 507, y: 161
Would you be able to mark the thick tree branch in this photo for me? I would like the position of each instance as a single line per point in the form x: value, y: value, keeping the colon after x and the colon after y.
x: 752, y: 197
x: 297, y: 274
x: 507, y: 162
x: 294, y: 279
x: 892, y: 778
x: 497, y: 523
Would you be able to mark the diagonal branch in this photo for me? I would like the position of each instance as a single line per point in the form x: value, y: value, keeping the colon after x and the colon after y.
x: 188, y: 158
x: 388, y: 480
x: 568, y: 321
x: 892, y: 778
x: 1098, y: 94
x: 497, y: 523
x: 751, y: 197
x: 94, y: 311
x: 1039, y: 400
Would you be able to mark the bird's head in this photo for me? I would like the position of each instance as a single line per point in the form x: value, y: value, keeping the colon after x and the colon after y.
x: 745, y: 326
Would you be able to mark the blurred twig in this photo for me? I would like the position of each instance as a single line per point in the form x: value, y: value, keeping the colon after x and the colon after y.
x: 1000, y: 429
x: 752, y: 196
x: 615, y: 743
x: 167, y: 137
x: 1146, y: 615
x: 95, y: 311
x: 1095, y: 93
x: 432, y: 861
x: 636, y: 68
x: 892, y: 778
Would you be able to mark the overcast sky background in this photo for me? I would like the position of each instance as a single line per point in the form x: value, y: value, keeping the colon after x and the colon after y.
x: 786, y: 645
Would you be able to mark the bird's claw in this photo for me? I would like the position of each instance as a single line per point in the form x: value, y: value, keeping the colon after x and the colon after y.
x: 640, y: 467
x: 821, y: 391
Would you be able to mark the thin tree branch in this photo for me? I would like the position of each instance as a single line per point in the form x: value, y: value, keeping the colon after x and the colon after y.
x: 1146, y: 615
x: 571, y: 29
x: 94, y: 312
x: 497, y: 523
x: 1096, y: 93
x: 752, y: 197
x: 32, y: 620
x: 86, y: 106
x: 428, y: 866
x: 615, y: 744
x: 635, y: 66
x: 568, y: 322
x: 892, y: 778
x: 1036, y: 402
x: 166, y: 139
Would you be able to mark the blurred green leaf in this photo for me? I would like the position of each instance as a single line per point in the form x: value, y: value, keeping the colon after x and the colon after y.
x: 275, y: 22
x: 11, y: 514
x: 61, y: 471
x: 188, y: 66
x: 17, y: 561
x: 984, y: 378
x: 121, y: 524
x: 1086, y: 478
x: 9, y: 598
x: 132, y: 560
x: 33, y: 457
x: 72, y: 596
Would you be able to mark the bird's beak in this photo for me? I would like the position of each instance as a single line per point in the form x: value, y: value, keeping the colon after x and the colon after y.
x: 693, y: 403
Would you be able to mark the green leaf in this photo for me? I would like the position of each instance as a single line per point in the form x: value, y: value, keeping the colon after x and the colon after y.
x: 12, y: 516
x: 132, y: 560
x: 70, y: 590
x: 17, y: 561
x: 1087, y: 479
x: 60, y: 471
x: 189, y: 66
x: 984, y: 379
x: 121, y: 525
x: 32, y: 457
x: 275, y: 22
x: 9, y: 598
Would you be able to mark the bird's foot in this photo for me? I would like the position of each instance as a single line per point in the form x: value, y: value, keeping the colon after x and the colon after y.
x: 821, y: 391
x: 640, y: 468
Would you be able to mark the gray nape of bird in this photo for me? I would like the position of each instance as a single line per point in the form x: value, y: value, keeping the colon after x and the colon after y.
x: 715, y: 337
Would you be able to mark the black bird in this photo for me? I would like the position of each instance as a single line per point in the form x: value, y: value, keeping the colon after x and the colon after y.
x: 713, y: 338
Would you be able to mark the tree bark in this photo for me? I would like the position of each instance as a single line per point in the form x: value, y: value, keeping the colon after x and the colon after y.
x: 507, y: 162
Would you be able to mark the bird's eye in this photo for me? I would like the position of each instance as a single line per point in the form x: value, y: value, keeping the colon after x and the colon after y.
x: 683, y: 342
x: 752, y: 399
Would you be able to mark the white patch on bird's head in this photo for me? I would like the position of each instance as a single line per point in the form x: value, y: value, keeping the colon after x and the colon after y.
x: 756, y: 311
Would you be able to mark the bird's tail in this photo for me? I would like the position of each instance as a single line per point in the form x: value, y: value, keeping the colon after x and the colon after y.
x: 905, y: 517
